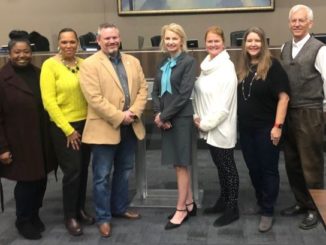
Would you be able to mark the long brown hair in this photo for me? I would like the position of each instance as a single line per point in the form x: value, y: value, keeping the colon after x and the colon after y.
x: 264, y: 59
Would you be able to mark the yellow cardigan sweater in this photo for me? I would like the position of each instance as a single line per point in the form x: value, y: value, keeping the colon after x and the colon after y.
x: 61, y: 95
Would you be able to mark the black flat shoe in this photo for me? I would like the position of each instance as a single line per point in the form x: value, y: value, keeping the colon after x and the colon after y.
x: 218, y: 207
x: 227, y: 217
x: 170, y: 225
x: 37, y: 222
x: 28, y: 230
x: 193, y: 211
x: 171, y: 215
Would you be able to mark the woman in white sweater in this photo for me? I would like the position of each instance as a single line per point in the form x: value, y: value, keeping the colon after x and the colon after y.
x: 215, y: 105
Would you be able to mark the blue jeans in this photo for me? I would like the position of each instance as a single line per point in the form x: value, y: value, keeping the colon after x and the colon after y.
x: 113, y: 199
x: 261, y: 158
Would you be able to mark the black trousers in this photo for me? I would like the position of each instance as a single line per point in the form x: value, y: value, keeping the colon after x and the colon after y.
x: 228, y: 175
x: 29, y: 198
x: 261, y: 158
x: 74, y: 165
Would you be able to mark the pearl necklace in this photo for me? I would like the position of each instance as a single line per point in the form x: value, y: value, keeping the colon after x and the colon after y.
x: 73, y: 70
x: 245, y: 98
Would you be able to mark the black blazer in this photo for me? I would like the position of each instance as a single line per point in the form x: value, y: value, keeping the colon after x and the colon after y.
x: 183, y: 78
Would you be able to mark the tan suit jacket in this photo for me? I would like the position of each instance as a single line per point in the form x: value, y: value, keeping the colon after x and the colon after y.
x: 104, y: 94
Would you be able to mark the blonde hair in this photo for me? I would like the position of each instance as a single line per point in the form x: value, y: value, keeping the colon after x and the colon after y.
x: 264, y: 59
x: 177, y: 29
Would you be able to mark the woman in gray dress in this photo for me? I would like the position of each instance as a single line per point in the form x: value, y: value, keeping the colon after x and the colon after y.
x: 173, y: 110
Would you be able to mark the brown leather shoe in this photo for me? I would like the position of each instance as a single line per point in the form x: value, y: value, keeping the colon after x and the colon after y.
x: 73, y: 227
x: 128, y: 215
x: 85, y: 218
x: 105, y: 229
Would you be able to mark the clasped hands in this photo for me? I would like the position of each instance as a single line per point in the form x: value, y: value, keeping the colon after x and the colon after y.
x: 160, y: 124
x: 129, y: 117
x: 6, y: 158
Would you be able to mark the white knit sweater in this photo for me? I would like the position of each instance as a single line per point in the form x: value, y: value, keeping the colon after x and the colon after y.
x: 215, y: 101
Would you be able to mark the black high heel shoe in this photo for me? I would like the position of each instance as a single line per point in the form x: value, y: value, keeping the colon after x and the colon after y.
x: 193, y: 212
x: 171, y: 225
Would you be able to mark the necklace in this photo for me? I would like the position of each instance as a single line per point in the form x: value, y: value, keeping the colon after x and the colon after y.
x: 245, y: 98
x: 73, y: 69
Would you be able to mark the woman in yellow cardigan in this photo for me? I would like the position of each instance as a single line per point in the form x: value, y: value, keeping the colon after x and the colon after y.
x: 64, y: 101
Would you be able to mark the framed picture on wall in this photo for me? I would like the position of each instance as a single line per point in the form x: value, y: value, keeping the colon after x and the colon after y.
x: 154, y: 7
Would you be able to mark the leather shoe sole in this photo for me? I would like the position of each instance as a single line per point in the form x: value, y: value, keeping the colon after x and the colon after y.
x: 105, y: 229
x: 127, y: 215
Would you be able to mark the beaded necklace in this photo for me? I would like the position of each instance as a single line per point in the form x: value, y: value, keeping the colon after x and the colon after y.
x: 73, y: 69
x: 245, y: 98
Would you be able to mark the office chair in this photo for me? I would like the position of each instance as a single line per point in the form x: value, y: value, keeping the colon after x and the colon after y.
x: 41, y: 43
x: 192, y: 43
x: 236, y: 38
x: 320, y: 36
x: 88, y: 42
x: 156, y: 40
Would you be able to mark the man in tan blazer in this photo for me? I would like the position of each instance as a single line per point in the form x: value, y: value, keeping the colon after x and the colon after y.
x: 116, y: 91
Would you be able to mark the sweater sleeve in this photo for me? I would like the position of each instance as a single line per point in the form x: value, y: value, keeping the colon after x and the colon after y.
x: 194, y: 102
x: 49, y: 97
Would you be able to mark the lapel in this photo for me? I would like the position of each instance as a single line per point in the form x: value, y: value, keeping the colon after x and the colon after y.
x: 128, y: 69
x: 10, y: 77
x: 104, y: 60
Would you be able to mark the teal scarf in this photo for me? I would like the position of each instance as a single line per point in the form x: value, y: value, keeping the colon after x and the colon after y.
x: 166, y: 75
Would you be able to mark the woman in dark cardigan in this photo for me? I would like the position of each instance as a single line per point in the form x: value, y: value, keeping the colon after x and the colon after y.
x: 26, y: 155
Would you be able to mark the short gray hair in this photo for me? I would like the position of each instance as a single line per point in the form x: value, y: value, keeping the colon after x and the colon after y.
x: 298, y: 7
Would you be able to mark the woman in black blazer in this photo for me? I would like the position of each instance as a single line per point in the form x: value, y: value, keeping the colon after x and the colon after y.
x: 173, y: 110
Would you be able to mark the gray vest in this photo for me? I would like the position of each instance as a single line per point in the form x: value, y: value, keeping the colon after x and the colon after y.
x: 305, y: 81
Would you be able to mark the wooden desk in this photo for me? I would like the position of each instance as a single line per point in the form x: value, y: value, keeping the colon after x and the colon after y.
x: 319, y: 198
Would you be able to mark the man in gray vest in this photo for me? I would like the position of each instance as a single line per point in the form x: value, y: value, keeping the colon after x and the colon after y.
x: 304, y: 59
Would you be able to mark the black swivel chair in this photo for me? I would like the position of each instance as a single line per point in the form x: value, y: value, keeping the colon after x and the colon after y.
x: 156, y: 40
x: 192, y: 43
x: 41, y: 43
x: 88, y: 41
x: 236, y: 38
x: 320, y: 36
